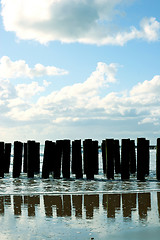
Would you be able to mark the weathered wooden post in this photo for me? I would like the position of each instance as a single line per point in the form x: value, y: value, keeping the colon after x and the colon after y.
x: 52, y: 157
x: 30, y: 158
x: 77, y: 159
x: 73, y: 165
x: 132, y: 157
x: 17, y: 159
x: 147, y: 157
x: 7, y: 157
x: 37, y: 158
x: 57, y: 168
x: 66, y: 159
x: 104, y: 155
x: 158, y: 159
x: 88, y: 158
x: 95, y: 155
x: 47, y: 159
x: 25, y: 158
x: 125, y: 152
x: 110, y: 158
x: 2, y: 166
x: 117, y: 157
x: 84, y: 157
x: 141, y: 157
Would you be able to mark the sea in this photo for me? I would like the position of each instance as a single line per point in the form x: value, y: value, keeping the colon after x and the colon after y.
x: 80, y: 209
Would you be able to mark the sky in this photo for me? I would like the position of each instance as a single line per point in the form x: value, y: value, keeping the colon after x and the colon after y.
x: 78, y: 69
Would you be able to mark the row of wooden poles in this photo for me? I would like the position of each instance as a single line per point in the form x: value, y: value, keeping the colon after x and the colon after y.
x: 60, y: 157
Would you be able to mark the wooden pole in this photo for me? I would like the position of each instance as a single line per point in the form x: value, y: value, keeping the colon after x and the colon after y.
x: 17, y: 159
x: 7, y: 157
x: 74, y: 151
x: 132, y: 157
x: 88, y: 160
x: 117, y: 157
x: 47, y: 159
x: 37, y: 158
x: 30, y: 158
x: 125, y: 152
x: 59, y: 149
x: 66, y: 159
x: 110, y: 158
x: 77, y: 159
x: 95, y: 156
x: 147, y: 157
x: 141, y: 157
x: 25, y: 158
x: 104, y: 156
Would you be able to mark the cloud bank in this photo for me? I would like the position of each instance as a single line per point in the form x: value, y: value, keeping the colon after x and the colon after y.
x: 81, y: 102
x: 80, y: 21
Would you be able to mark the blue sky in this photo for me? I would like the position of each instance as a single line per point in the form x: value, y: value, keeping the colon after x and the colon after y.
x: 79, y: 69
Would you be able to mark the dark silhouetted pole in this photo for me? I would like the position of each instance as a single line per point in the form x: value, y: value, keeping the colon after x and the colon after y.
x: 17, y: 159
x: 84, y: 157
x: 37, y: 158
x: 47, y: 159
x: 77, y: 159
x: 2, y: 166
x: 57, y: 168
x: 95, y: 156
x: 104, y: 156
x: 74, y: 151
x: 66, y: 159
x: 158, y: 159
x: 88, y: 158
x: 117, y: 157
x: 132, y: 157
x: 30, y: 158
x: 125, y: 154
x: 147, y: 157
x: 110, y: 158
x: 25, y: 158
x: 141, y: 159
x: 7, y: 157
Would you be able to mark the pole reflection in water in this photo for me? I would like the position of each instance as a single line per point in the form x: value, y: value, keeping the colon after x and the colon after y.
x: 82, y: 205
x: 81, y: 212
x: 111, y: 203
x: 144, y: 204
x: 128, y: 204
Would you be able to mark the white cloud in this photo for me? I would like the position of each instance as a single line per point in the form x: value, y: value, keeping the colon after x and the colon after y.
x: 7, y: 90
x: 80, y: 94
x: 28, y: 90
x: 19, y: 68
x: 82, y: 101
x: 82, y: 105
x: 152, y: 120
x: 72, y: 21
x: 146, y: 92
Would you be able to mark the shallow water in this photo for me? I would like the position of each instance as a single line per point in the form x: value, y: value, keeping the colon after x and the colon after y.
x: 80, y: 209
x: 80, y: 216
